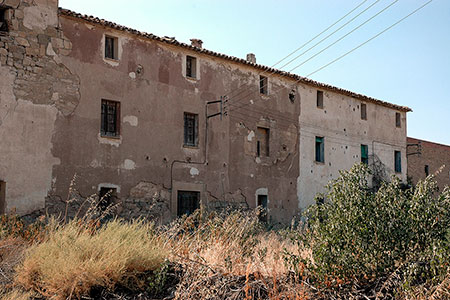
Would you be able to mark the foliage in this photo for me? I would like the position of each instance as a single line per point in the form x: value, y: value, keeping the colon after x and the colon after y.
x: 362, y: 235
x: 76, y: 257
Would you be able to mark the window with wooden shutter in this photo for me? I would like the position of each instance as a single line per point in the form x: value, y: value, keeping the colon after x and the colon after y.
x: 365, y: 154
x: 398, y: 161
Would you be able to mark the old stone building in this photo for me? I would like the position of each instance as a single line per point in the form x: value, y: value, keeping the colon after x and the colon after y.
x: 428, y: 158
x: 169, y: 126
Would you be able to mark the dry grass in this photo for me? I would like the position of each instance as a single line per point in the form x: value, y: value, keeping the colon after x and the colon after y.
x: 74, y: 258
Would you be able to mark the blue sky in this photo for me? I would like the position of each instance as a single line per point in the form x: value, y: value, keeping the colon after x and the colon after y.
x: 408, y: 65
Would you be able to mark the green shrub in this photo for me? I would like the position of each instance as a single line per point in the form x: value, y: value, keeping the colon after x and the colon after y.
x: 358, y: 234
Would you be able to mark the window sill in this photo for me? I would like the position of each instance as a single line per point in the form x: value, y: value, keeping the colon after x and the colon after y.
x: 319, y: 162
x: 117, y: 137
x: 111, y: 59
x: 191, y: 147
x: 194, y: 79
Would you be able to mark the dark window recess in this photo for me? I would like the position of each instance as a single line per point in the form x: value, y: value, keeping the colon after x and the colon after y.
x: 105, y: 197
x: 398, y: 120
x: 427, y: 170
x: 111, y: 47
x: 2, y: 197
x: 398, y: 161
x: 3, y: 22
x: 319, y: 99
x: 320, y: 149
x: 292, y: 96
x: 110, y: 123
x: 191, y: 67
x: 363, y: 111
x: 262, y: 142
x: 263, y: 85
x: 262, y: 205
x: 188, y: 202
x: 365, y: 154
x: 190, y: 129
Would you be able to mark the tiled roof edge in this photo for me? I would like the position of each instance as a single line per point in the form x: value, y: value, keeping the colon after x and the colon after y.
x: 172, y: 41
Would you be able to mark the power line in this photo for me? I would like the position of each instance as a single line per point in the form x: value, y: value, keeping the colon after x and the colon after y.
x: 352, y: 50
x: 323, y: 31
x: 335, y: 42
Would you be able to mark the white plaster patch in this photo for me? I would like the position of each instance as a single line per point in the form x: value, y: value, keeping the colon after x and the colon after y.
x: 110, y: 141
x: 251, y: 102
x: 258, y: 160
x: 50, y: 50
x: 128, y: 164
x: 194, y: 172
x: 39, y: 17
x: 251, y: 175
x: 250, y: 136
x: 95, y: 164
x: 132, y: 75
x: 132, y: 120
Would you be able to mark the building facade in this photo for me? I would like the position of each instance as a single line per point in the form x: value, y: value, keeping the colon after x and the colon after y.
x: 168, y: 127
x: 428, y: 158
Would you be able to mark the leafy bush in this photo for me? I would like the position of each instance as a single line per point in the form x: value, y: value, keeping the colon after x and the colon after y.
x: 75, y: 257
x: 360, y: 235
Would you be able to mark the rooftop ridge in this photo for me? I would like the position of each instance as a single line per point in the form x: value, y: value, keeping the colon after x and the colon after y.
x: 173, y: 41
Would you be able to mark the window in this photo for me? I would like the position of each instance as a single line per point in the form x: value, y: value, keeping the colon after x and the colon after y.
x: 191, y: 67
x: 2, y: 197
x: 110, y: 123
x: 111, y: 47
x: 365, y: 154
x: 319, y: 99
x: 3, y: 22
x: 427, y: 170
x: 262, y: 142
x: 363, y: 111
x: 188, y: 202
x: 263, y: 85
x: 398, y: 161
x: 190, y: 129
x: 262, y: 205
x: 398, y: 120
x: 320, y: 149
x: 106, y: 196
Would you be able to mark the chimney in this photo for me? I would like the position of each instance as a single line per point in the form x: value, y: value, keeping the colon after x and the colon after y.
x: 196, y: 43
x: 251, y: 58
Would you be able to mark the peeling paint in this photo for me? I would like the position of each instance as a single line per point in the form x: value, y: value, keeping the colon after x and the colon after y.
x: 250, y: 136
x: 128, y: 164
x: 132, y: 75
x: 194, y: 172
x: 132, y: 120
x: 109, y: 141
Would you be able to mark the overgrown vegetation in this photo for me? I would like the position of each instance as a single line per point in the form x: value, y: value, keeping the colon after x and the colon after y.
x: 389, y: 244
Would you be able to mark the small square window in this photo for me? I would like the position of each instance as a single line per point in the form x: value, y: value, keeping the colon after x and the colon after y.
x: 320, y: 149
x: 110, y: 118
x: 319, y: 99
x: 191, y: 67
x: 3, y: 21
x: 365, y: 154
x: 111, y: 47
x: 190, y: 130
x: 398, y: 161
x: 398, y: 120
x: 263, y: 85
x: 363, y: 111
x: 262, y: 142
x: 188, y: 202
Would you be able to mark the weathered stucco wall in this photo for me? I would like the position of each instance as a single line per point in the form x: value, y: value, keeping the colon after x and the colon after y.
x: 340, y: 123
x: 35, y: 88
x: 436, y: 156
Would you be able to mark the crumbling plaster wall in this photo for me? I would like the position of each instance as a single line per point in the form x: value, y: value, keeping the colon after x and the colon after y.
x: 35, y: 89
x: 339, y: 122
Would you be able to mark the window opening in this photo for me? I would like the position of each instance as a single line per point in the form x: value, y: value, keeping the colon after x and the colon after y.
x: 106, y: 196
x: 188, y: 202
x: 319, y: 99
x: 427, y: 170
x: 190, y: 129
x: 111, y: 47
x: 363, y: 111
x: 365, y: 154
x: 3, y: 22
x: 262, y: 142
x: 263, y: 85
x: 398, y: 161
x: 191, y: 67
x: 320, y: 155
x: 110, y: 118
x: 262, y: 205
x: 398, y: 120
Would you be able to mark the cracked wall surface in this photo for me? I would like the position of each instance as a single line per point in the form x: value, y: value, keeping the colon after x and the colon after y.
x: 35, y: 89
